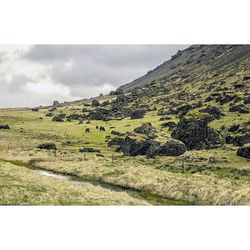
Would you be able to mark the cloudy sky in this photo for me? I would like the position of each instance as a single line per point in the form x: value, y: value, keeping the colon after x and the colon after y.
x: 38, y: 74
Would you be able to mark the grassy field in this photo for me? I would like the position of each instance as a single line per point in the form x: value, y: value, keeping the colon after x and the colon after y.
x: 215, y: 176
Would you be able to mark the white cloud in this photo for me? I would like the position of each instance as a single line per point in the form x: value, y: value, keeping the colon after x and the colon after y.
x: 37, y: 75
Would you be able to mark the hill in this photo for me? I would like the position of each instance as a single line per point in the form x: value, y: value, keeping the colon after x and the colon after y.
x: 179, y: 135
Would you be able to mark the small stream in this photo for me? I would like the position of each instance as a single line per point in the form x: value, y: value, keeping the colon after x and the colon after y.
x: 152, y: 199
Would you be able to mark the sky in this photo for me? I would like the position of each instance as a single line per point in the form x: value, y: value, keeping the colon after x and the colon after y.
x: 33, y: 75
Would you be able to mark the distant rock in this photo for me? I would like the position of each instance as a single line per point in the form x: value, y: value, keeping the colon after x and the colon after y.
x: 55, y: 103
x: 95, y: 103
x: 35, y: 109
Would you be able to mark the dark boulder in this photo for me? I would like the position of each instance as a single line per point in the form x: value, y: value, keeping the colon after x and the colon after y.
x: 172, y: 148
x: 196, y: 134
x: 150, y: 148
x: 49, y: 114
x: 116, y: 142
x: 238, y: 140
x: 57, y: 119
x: 47, y: 146
x: 132, y: 147
x: 227, y: 98
x: 183, y: 110
x: 96, y: 115
x: 4, y: 127
x: 234, y: 128
x: 137, y: 114
x: 241, y: 108
x: 244, y: 152
x: 35, y: 109
x: 146, y: 129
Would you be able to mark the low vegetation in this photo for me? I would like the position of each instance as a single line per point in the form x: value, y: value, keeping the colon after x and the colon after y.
x: 181, y: 139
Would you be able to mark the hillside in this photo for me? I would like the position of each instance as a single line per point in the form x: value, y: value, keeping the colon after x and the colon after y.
x: 198, y: 59
x: 179, y: 135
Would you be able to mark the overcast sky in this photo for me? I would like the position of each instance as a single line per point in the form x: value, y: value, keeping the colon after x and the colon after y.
x: 37, y: 75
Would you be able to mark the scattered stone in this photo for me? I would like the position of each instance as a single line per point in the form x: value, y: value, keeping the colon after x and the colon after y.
x: 49, y: 114
x: 47, y: 146
x: 4, y: 127
x: 89, y: 150
x: 57, y: 119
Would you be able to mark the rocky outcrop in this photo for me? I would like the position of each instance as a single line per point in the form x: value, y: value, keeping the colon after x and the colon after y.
x: 150, y: 148
x: 170, y: 148
x: 196, y: 134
